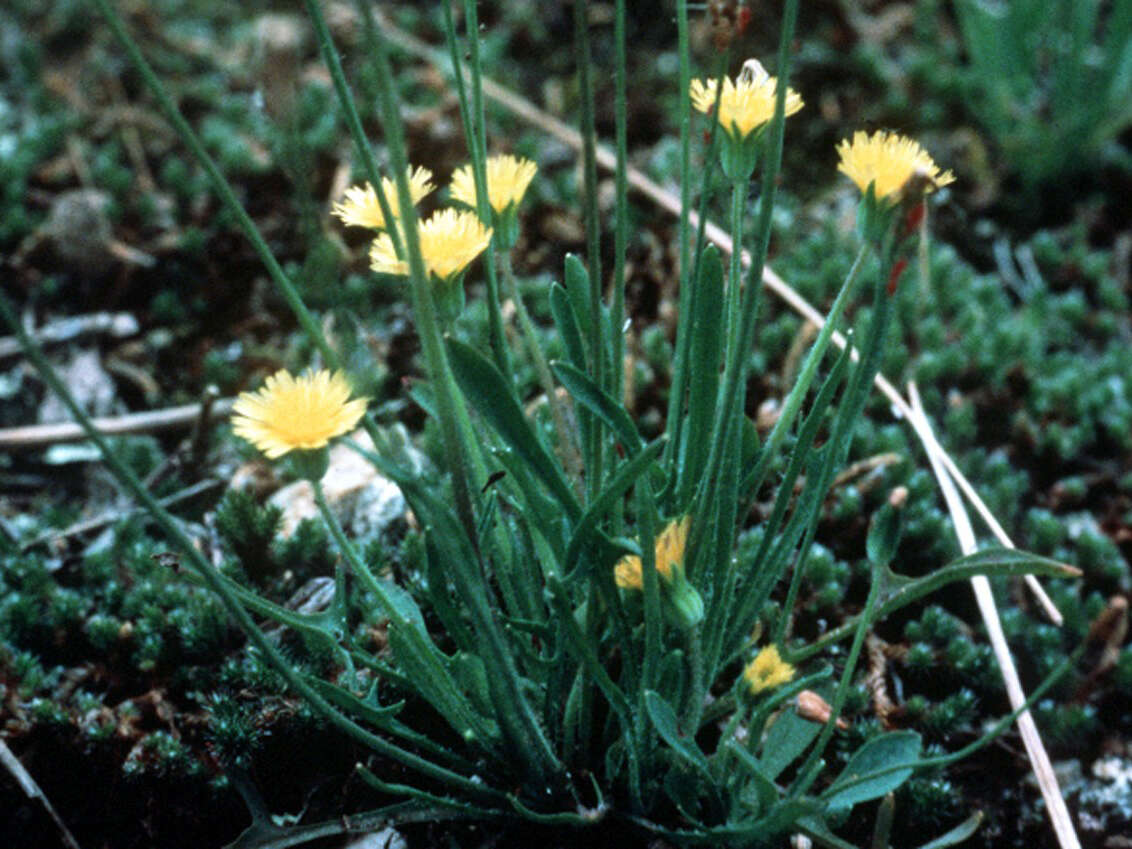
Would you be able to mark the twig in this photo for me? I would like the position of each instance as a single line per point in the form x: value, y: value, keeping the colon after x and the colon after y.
x: 883, y: 705
x: 32, y: 791
x: 86, y: 526
x: 864, y: 466
x: 149, y: 421
x: 65, y: 329
x: 670, y: 201
x: 1039, y: 758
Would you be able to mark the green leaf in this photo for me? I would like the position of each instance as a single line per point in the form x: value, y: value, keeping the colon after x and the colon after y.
x: 597, y: 401
x: 992, y: 562
x: 884, y: 535
x: 785, y: 740
x: 703, y: 366
x: 896, y: 747
x: 668, y: 727
x: 900, y: 590
x: 491, y: 394
x: 760, y: 793
x: 578, y: 288
x: 368, y: 708
x: 958, y: 834
x: 814, y: 828
x: 567, y: 322
x: 586, y: 528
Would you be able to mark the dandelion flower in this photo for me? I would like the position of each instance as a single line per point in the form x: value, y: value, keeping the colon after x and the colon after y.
x: 296, y: 413
x: 767, y: 671
x: 361, y: 208
x: 745, y: 105
x: 888, y: 161
x: 450, y: 240
x: 669, y: 555
x: 507, y: 181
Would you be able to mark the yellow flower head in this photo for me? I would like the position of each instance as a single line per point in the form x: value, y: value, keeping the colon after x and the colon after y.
x: 507, y: 181
x: 361, y: 209
x: 669, y: 553
x: 450, y: 240
x: 767, y: 670
x: 291, y: 413
x: 889, y: 161
x: 747, y: 104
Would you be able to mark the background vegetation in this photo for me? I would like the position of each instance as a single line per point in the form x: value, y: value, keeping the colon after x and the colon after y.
x: 121, y: 681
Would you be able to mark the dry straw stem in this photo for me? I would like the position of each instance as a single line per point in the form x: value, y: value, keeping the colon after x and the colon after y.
x: 670, y: 201
x: 1039, y: 759
x: 149, y: 421
x: 32, y: 790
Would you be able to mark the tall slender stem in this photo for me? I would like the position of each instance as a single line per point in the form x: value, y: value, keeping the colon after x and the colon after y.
x: 674, y: 424
x: 561, y: 411
x: 805, y: 773
x: 353, y: 121
x: 734, y: 277
x: 595, y: 451
x: 735, y: 371
x: 621, y: 209
x: 805, y: 376
x: 475, y: 131
x: 459, y: 446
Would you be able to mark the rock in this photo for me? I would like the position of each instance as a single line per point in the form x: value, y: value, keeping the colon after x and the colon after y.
x: 89, y: 383
x: 365, y: 502
x: 79, y: 229
x: 1104, y: 802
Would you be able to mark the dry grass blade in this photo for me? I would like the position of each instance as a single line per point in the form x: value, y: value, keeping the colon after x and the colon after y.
x: 31, y: 789
x: 150, y: 421
x: 1039, y: 758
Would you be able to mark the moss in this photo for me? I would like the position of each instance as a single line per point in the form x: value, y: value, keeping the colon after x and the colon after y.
x: 307, y: 552
x: 951, y: 715
x: 161, y: 754
x: 232, y: 734
x: 1070, y: 728
x: 249, y: 529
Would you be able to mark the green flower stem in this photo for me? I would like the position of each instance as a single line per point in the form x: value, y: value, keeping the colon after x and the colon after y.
x: 467, y: 721
x: 674, y: 423
x: 735, y: 371
x: 849, y: 412
x: 805, y: 377
x: 353, y: 121
x: 219, y: 183
x: 806, y: 772
x: 561, y: 411
x: 730, y: 411
x: 853, y: 401
x: 461, y: 448
x: 212, y: 578
x: 475, y: 134
x: 734, y: 279
x: 595, y: 450
x: 222, y: 188
x: 683, y: 51
x: 648, y: 527
x: 621, y: 205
